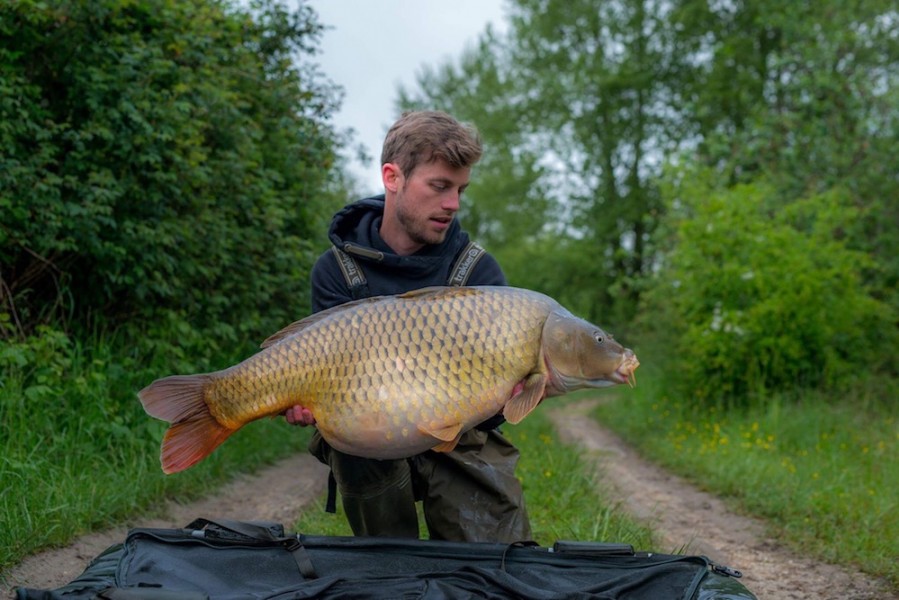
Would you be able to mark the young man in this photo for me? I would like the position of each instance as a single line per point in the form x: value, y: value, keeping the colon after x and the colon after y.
x: 407, y: 239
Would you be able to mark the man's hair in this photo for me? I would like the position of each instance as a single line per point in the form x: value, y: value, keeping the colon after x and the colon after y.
x: 421, y: 137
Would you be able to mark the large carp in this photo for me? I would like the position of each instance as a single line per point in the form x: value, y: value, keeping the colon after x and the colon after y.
x: 393, y: 376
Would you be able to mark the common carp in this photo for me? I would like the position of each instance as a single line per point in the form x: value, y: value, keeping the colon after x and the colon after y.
x: 392, y: 376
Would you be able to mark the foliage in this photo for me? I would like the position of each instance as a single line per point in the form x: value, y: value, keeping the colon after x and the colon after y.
x: 804, y: 95
x: 165, y: 173
x: 77, y: 451
x: 756, y: 295
x: 820, y: 472
x: 160, y: 157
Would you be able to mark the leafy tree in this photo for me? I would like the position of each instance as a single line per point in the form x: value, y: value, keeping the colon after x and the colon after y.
x: 160, y: 157
x: 755, y: 294
x: 806, y: 94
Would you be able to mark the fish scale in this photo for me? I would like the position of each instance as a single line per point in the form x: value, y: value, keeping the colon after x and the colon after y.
x: 393, y: 376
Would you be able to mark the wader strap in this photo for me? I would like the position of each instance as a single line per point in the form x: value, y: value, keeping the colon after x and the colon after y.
x: 331, y: 503
x: 352, y: 272
x: 465, y: 263
x: 358, y: 286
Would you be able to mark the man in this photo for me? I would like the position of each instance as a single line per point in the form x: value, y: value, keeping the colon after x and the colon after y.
x: 401, y: 241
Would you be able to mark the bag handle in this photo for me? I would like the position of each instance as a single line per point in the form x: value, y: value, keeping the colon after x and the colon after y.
x: 200, y: 528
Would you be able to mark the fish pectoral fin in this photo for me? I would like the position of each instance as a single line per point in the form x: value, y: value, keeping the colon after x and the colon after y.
x: 445, y: 434
x: 448, y: 435
x: 447, y: 446
x: 521, y: 404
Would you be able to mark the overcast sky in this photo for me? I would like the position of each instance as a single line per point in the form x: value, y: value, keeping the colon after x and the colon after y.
x: 373, y: 46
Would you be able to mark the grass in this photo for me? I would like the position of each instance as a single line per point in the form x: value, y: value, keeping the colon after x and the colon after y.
x: 77, y: 452
x: 823, y: 472
x: 560, y: 490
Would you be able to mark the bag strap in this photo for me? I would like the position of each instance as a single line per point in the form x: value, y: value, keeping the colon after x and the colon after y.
x: 214, y: 529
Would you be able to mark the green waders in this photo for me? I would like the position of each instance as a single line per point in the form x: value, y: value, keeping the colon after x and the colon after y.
x: 470, y: 494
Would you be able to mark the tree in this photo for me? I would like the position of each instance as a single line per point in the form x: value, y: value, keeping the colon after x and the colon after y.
x: 160, y: 157
x: 804, y: 94
x: 748, y: 299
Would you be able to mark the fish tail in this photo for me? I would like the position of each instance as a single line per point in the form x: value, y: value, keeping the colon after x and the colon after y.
x: 194, y: 433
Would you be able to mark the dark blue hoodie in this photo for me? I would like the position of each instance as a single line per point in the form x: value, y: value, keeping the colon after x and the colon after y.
x: 354, y: 229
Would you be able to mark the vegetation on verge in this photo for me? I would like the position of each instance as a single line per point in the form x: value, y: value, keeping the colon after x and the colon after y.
x: 822, y: 473
x: 78, y: 452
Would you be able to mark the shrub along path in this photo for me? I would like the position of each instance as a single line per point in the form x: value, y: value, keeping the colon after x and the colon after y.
x: 688, y: 520
x: 683, y: 518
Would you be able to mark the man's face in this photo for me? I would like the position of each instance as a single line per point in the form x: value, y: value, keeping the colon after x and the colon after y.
x: 426, y: 202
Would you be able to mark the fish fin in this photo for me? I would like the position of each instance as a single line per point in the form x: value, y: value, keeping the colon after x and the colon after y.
x: 449, y: 435
x: 298, y: 326
x: 521, y: 404
x: 175, y: 398
x: 439, y: 291
x: 446, y: 434
x: 187, y: 443
x: 447, y: 446
x: 194, y: 433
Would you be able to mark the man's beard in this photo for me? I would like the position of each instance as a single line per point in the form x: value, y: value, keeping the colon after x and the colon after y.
x: 418, y: 232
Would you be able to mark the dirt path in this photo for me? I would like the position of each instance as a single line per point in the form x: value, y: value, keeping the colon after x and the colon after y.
x: 276, y: 493
x: 682, y: 514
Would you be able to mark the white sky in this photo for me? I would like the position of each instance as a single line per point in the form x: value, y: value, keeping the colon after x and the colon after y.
x: 376, y: 45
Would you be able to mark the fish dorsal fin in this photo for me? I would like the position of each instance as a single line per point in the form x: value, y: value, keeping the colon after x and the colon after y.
x: 298, y: 326
x: 438, y: 291
x: 449, y: 436
x: 521, y: 404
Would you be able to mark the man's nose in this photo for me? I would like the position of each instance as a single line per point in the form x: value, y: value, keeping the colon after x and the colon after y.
x: 451, y: 201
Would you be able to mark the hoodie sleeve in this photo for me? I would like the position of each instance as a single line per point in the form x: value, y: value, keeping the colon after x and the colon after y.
x: 328, y: 285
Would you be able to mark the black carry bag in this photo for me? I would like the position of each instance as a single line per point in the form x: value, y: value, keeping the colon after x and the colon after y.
x: 231, y: 560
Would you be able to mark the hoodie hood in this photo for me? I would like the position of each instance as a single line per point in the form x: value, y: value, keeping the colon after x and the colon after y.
x: 355, y: 230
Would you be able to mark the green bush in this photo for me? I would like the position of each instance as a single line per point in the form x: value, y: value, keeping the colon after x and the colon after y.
x: 160, y: 155
x: 753, y: 295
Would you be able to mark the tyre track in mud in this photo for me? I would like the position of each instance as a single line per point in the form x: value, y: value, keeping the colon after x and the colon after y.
x: 688, y: 520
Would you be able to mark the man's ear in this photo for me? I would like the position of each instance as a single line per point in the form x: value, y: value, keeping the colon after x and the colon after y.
x: 391, y: 176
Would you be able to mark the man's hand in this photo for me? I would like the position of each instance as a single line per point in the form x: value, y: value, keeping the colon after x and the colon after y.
x: 298, y: 415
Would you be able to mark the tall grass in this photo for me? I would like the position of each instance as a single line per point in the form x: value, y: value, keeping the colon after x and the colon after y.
x: 562, y: 495
x: 822, y: 470
x: 77, y: 451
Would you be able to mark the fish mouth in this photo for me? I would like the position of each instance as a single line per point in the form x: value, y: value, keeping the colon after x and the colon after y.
x: 625, y: 373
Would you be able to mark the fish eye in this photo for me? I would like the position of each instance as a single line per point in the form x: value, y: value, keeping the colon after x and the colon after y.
x: 597, y: 335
